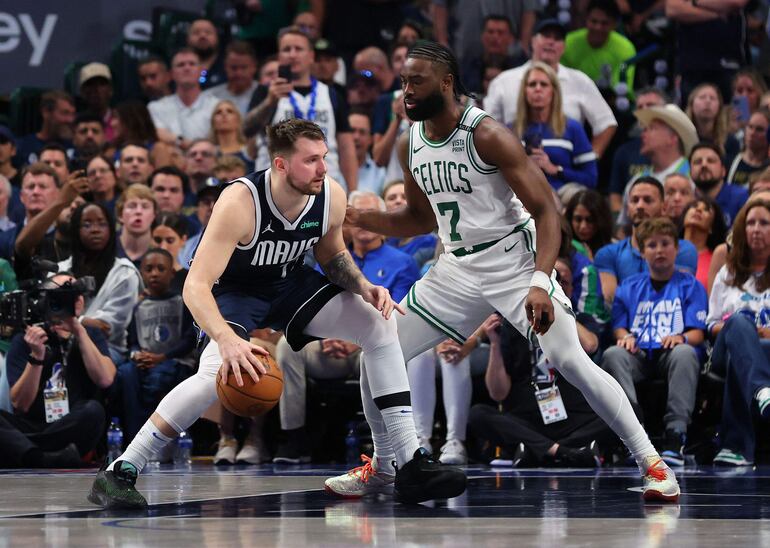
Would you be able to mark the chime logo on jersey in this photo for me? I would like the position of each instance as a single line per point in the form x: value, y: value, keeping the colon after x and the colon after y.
x: 274, y: 252
x: 442, y: 176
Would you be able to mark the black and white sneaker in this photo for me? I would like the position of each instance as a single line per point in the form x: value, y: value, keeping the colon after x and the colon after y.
x: 424, y: 478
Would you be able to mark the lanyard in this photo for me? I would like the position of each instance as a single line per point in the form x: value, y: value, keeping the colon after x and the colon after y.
x: 310, y: 116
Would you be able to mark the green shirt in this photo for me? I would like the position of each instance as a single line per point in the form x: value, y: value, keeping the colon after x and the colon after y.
x: 578, y: 54
x: 7, y: 283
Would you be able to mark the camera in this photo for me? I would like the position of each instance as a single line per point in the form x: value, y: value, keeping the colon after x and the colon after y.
x: 40, y: 303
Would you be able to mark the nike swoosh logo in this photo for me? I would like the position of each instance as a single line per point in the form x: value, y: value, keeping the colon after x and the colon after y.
x: 404, y: 412
x: 507, y: 249
x: 416, y: 150
x: 156, y: 436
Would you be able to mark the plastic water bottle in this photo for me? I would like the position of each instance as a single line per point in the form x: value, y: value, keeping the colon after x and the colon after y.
x: 114, y: 440
x: 352, y: 454
x: 183, y: 452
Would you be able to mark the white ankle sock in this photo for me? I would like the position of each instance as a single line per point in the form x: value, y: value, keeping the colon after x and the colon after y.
x: 148, y: 441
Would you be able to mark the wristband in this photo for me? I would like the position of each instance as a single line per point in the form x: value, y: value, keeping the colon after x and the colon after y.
x: 542, y: 280
x: 34, y: 361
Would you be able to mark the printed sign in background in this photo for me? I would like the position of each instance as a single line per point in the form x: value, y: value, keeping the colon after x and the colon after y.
x: 39, y: 38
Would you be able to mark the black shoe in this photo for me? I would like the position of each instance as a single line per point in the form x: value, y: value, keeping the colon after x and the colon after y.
x: 582, y: 457
x: 673, y: 448
x: 424, y: 478
x: 115, y: 488
x: 294, y: 450
x: 522, y: 457
x: 69, y: 457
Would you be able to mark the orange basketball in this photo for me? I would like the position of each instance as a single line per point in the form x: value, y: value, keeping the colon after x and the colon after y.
x: 253, y: 398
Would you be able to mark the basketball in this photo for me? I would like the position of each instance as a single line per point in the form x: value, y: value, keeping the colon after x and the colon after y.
x: 253, y: 398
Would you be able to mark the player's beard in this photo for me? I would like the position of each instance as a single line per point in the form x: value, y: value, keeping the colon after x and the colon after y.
x: 302, y: 189
x: 427, y: 108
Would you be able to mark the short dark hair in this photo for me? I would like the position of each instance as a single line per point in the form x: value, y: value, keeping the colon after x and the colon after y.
x: 152, y: 59
x: 88, y: 117
x: 294, y: 29
x: 158, y: 251
x: 655, y: 90
x: 185, y: 49
x: 656, y: 225
x: 497, y: 17
x: 282, y: 136
x: 711, y: 146
x: 609, y: 7
x: 170, y: 170
x: 53, y: 146
x: 40, y: 168
x: 649, y: 180
x: 241, y: 47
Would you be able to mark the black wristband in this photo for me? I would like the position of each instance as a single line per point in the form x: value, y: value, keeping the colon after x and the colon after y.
x: 35, y: 361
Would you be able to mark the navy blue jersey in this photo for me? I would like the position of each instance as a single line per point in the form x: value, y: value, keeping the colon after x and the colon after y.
x: 265, y: 265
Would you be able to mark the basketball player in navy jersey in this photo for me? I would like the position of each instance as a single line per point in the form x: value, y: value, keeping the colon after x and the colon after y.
x: 469, y: 176
x: 248, y: 272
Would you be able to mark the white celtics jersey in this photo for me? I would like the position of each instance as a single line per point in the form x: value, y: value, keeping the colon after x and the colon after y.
x: 324, y: 117
x: 471, y: 200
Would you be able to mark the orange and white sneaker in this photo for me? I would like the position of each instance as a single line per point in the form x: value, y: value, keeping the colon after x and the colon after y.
x: 361, y: 481
x: 659, y: 483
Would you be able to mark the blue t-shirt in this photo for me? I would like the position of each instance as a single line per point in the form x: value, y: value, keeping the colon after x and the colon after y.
x: 680, y: 305
x: 622, y: 260
x: 627, y: 163
x: 572, y: 151
x: 422, y: 248
x: 731, y: 199
x: 392, y: 269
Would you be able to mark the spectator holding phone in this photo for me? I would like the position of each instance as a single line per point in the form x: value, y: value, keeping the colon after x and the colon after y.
x: 557, y: 144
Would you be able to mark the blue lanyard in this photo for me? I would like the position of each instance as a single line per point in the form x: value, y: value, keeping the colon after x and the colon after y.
x: 310, y: 116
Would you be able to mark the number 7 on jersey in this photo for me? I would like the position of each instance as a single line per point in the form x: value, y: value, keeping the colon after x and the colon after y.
x: 454, y: 208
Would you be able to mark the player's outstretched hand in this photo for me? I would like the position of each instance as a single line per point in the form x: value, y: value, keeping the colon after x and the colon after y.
x: 380, y: 298
x: 539, y: 309
x: 236, y: 354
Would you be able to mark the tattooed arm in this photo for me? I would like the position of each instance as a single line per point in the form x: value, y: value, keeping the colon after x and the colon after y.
x: 331, y: 253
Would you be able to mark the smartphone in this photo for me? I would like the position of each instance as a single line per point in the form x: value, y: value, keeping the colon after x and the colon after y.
x: 284, y: 71
x: 532, y: 141
x: 741, y: 106
x: 78, y: 164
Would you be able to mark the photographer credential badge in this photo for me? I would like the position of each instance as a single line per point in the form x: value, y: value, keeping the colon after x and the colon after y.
x: 55, y: 396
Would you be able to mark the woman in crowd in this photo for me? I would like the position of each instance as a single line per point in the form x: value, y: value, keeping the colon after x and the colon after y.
x: 557, y: 144
x: 118, y: 283
x: 705, y: 107
x: 755, y: 147
x: 169, y: 232
x: 703, y: 224
x: 132, y: 124
x: 103, y: 181
x: 591, y: 222
x: 739, y: 319
x: 422, y: 248
x: 226, y: 133
x: 136, y: 209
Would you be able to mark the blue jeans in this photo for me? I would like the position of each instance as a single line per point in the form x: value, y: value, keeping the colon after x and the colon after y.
x: 744, y: 360
x: 140, y: 390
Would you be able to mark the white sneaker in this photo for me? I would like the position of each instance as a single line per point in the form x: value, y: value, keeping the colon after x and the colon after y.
x: 226, y: 451
x: 253, y: 452
x: 453, y: 452
x: 659, y: 483
x: 361, y: 481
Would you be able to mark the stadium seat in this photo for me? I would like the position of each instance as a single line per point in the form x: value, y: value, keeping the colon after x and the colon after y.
x: 25, y: 110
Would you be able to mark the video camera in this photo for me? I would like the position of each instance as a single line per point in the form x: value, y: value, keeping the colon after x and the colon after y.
x: 37, y: 303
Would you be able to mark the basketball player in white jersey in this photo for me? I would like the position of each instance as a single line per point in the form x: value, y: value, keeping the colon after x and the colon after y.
x: 469, y: 175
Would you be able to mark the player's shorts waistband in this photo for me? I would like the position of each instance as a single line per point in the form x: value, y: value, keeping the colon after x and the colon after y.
x: 463, y: 251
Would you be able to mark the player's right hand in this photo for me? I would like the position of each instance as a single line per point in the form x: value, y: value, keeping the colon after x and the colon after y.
x: 238, y: 354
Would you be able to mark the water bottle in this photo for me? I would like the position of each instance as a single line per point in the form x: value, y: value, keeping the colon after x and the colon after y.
x: 352, y: 453
x: 183, y: 452
x: 114, y: 440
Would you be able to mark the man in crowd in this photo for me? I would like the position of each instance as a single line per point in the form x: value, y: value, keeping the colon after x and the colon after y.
x: 134, y: 165
x: 708, y: 174
x: 497, y: 41
x: 678, y: 193
x: 57, y: 109
x: 199, y: 165
x: 89, y: 137
x: 371, y: 177
x: 202, y: 37
x: 96, y: 93
x: 240, y: 69
x: 154, y: 78
x: 55, y: 156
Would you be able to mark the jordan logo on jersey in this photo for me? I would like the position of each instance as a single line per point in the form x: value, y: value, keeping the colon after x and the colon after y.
x: 276, y: 252
x: 268, y: 228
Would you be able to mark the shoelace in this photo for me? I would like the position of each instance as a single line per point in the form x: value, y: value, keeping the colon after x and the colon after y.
x: 365, y: 471
x: 657, y: 473
x: 124, y: 476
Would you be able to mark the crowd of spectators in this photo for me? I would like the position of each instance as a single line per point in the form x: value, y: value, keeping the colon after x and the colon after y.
x: 650, y: 122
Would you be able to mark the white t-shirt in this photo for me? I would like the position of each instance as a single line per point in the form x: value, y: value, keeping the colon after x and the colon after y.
x: 221, y: 93
x: 193, y: 122
x: 726, y: 300
x: 581, y: 99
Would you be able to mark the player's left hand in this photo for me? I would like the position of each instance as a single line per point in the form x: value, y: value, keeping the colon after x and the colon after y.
x: 380, y: 298
x: 539, y: 308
